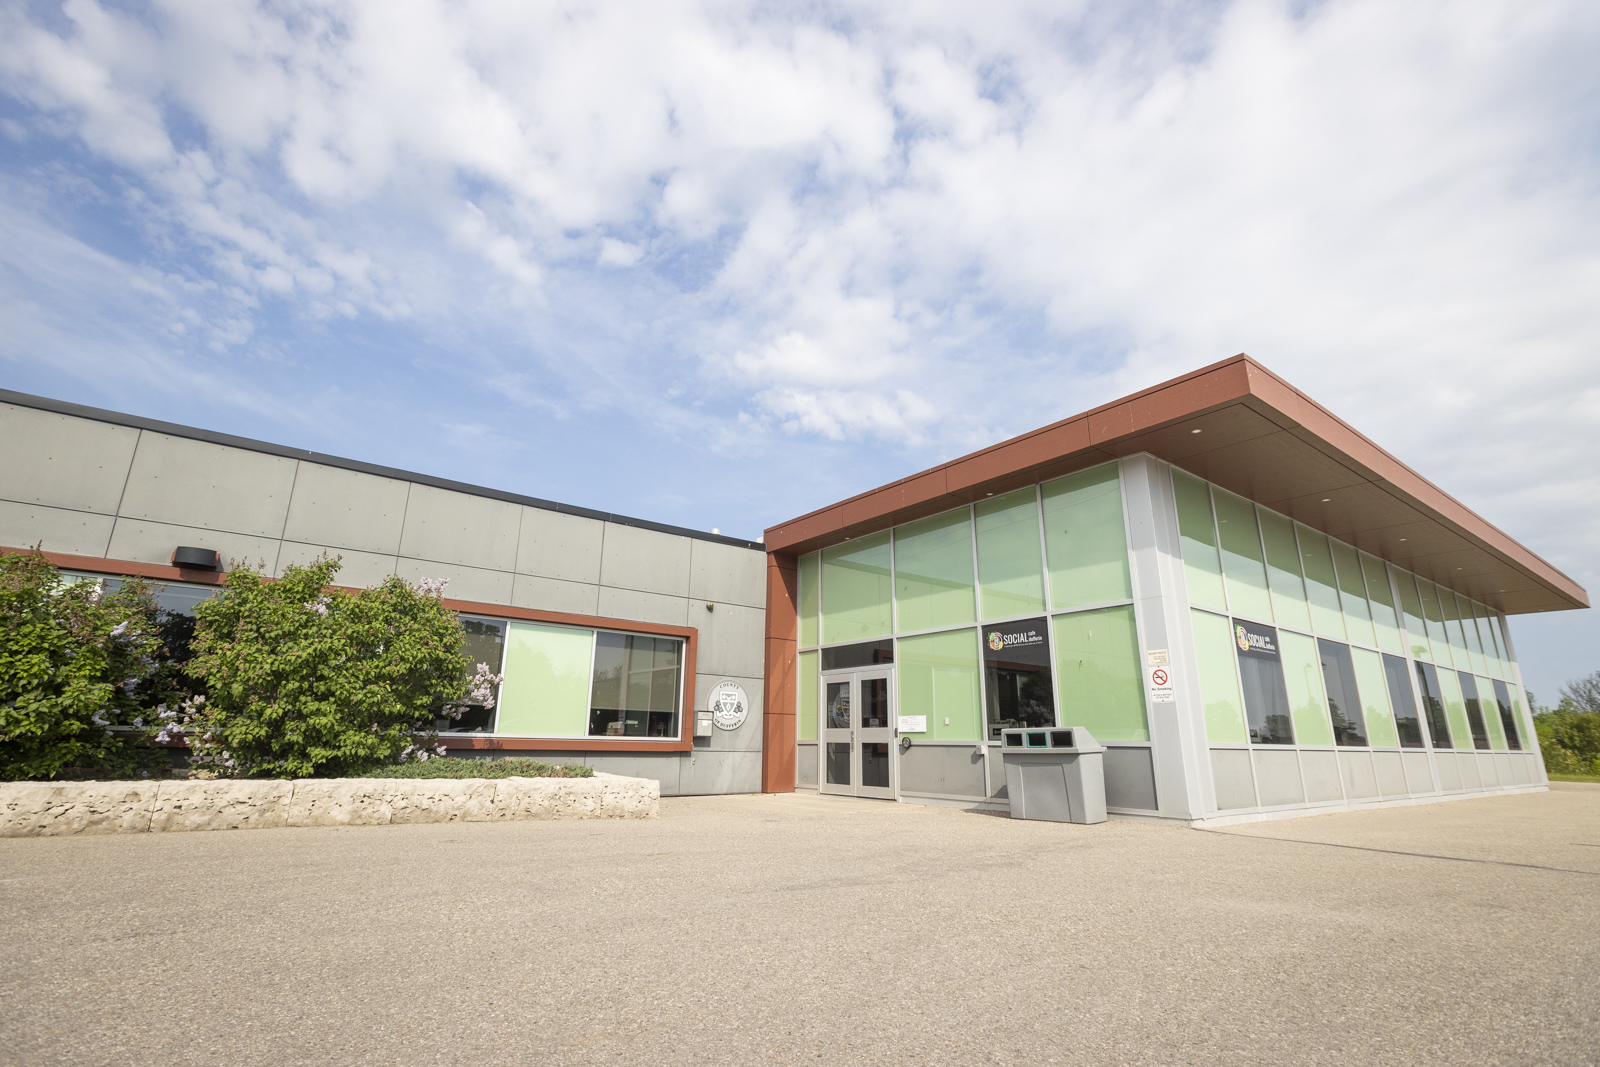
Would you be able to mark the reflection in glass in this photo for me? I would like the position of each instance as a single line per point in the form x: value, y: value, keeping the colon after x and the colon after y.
x: 1266, y: 698
x: 636, y: 684
x: 874, y: 704
x: 865, y: 654
x: 836, y: 710
x: 1344, y: 700
x: 1017, y: 675
x: 485, y: 643
x: 1400, y: 699
x: 1469, y: 695
x: 838, y: 763
x: 1433, y: 704
x: 1502, y: 698
x: 875, y: 765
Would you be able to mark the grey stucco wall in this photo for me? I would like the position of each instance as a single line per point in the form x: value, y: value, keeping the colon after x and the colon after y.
x: 92, y: 488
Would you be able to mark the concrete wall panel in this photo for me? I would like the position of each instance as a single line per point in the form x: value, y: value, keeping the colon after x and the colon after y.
x: 1419, y: 779
x: 1449, y: 771
x: 1230, y: 770
x: 553, y: 544
x: 450, y: 527
x: 1130, y: 779
x: 724, y: 574
x: 359, y: 570
x: 947, y: 770
x: 62, y: 461
x: 635, y: 558
x: 805, y: 765
x: 731, y: 638
x: 1391, y: 774
x: 1471, y: 775
x: 1520, y: 770
x: 645, y: 607
x: 662, y: 768
x: 348, y: 509
x: 466, y: 583
x: 552, y: 594
x: 153, y: 542
x: 210, y: 487
x: 1320, y: 771
x: 746, y: 738
x: 703, y: 773
x: 80, y: 533
x: 1360, y: 778
x: 1278, y: 778
x: 1502, y: 768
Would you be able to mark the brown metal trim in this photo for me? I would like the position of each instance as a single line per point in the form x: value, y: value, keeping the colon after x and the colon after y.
x: 1249, y: 417
x: 778, y: 737
x: 99, y: 565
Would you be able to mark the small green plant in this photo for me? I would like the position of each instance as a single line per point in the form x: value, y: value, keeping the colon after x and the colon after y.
x: 1569, y: 739
x: 302, y: 680
x: 452, y: 767
x: 80, y: 674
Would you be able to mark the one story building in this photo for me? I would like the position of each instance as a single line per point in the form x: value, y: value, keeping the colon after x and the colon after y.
x: 1257, y: 610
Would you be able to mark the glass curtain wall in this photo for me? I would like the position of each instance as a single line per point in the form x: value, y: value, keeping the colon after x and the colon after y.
x: 1305, y: 640
x: 1015, y: 610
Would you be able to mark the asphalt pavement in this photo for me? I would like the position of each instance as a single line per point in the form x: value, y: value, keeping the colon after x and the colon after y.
x: 806, y: 930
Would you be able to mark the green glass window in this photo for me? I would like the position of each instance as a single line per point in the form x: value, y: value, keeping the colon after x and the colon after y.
x: 1283, y: 571
x: 810, y: 565
x: 855, y: 589
x: 1202, y: 566
x: 1411, y: 605
x: 1370, y: 681
x: 1302, y: 676
x: 1434, y: 614
x: 1244, y: 569
x: 933, y: 572
x: 1010, y: 573
x: 1433, y: 705
x: 1490, y: 712
x: 1455, y: 708
x: 1493, y: 648
x: 1219, y: 679
x: 637, y: 679
x: 1385, y: 619
x: 547, y: 681
x: 1353, y: 593
x: 1086, y: 544
x: 1453, y: 629
x: 1469, y: 623
x: 805, y: 726
x: 1322, y: 586
x: 1099, y: 680
x: 938, y: 676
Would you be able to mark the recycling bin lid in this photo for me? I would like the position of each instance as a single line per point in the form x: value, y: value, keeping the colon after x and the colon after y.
x: 1048, y: 739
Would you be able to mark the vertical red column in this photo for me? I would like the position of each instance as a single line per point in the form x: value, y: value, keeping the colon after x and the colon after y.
x: 778, y: 738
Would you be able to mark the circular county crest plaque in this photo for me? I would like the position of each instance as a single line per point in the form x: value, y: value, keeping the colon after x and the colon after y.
x: 728, y: 705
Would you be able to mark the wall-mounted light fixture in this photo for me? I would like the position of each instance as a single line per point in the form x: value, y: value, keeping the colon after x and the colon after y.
x: 200, y: 559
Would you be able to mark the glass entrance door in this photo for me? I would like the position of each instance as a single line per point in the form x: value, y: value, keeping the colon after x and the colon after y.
x: 858, y: 734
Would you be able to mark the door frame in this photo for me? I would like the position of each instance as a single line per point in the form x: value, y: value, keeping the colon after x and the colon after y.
x: 857, y: 735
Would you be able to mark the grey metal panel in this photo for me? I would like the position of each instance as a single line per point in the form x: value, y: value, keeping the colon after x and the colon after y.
x: 1130, y: 778
x: 805, y: 764
x: 1278, y: 778
x: 1391, y: 774
x: 732, y: 638
x: 663, y: 768
x: 466, y: 583
x: 554, y: 545
x: 1360, y: 778
x: 746, y: 738
x: 942, y: 769
x: 724, y: 574
x: 210, y: 487
x: 79, y: 533
x: 1502, y: 767
x: 624, y: 604
x: 1521, y: 773
x: 702, y: 773
x: 1471, y: 777
x: 62, y: 461
x: 645, y: 560
x: 997, y: 772
x: 1230, y: 769
x: 1488, y: 773
x: 1418, y: 778
x: 363, y: 569
x: 153, y: 542
x: 346, y: 509
x: 449, y: 527
x: 1321, y: 773
x: 1444, y: 762
x: 552, y: 594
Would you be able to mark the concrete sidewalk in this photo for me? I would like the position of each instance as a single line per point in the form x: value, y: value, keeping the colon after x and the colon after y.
x: 794, y: 930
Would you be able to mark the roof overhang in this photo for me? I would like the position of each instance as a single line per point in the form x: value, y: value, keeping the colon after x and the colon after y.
x: 1259, y: 437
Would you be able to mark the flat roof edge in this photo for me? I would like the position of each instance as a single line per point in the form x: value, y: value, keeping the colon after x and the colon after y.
x: 138, y: 422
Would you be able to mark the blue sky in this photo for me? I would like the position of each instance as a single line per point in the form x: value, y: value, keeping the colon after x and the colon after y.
x: 717, y: 264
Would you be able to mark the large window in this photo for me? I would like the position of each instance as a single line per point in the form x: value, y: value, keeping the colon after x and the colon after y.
x: 1017, y: 680
x: 1406, y: 722
x: 1266, y: 701
x: 485, y: 643
x: 1344, y: 698
x: 564, y: 681
x: 1433, y: 705
x: 637, y: 680
x: 1469, y: 695
x: 1502, y: 699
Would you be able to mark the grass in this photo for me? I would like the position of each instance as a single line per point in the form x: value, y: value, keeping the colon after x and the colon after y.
x: 451, y: 767
x: 1576, y: 778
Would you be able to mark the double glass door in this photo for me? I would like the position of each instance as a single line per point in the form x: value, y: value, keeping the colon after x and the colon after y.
x: 858, y: 734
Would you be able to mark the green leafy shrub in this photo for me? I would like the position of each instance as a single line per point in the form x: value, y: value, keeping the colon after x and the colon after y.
x: 451, y: 767
x: 1569, y: 739
x: 80, y: 674
x: 302, y: 681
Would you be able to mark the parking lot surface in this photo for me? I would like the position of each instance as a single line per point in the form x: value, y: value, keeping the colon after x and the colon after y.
x: 806, y: 930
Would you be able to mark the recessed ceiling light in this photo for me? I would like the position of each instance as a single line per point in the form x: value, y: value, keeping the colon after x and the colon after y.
x: 1197, y: 431
x: 1405, y: 538
x: 1326, y: 499
x: 1461, y: 568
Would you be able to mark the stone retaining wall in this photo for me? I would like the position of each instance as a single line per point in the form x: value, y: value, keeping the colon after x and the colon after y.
x: 53, y: 809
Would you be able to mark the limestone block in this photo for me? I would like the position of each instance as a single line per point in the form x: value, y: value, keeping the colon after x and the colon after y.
x: 55, y: 809
x: 221, y: 804
x: 605, y: 796
x: 382, y: 801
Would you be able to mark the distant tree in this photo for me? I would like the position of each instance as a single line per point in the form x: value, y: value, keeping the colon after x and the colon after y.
x: 1569, y: 734
x: 1583, y: 693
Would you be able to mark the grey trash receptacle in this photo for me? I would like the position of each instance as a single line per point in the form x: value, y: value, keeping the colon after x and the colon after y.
x: 1054, y: 773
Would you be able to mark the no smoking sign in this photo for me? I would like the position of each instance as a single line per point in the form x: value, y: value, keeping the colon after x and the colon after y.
x: 1161, y: 685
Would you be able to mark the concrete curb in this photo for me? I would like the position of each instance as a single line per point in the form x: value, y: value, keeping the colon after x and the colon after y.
x: 63, y: 809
